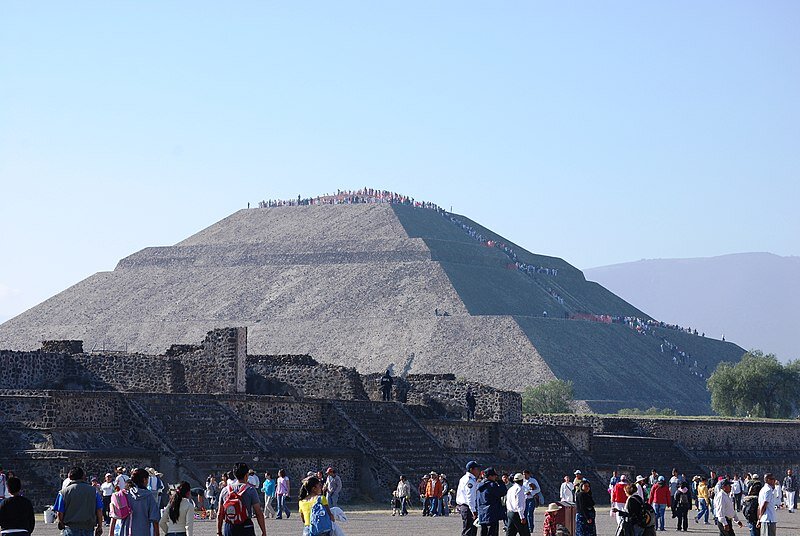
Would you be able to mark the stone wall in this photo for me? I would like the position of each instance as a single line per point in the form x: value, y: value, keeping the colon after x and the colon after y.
x: 302, y: 377
x: 222, y: 350
x: 447, y: 396
x: 469, y: 438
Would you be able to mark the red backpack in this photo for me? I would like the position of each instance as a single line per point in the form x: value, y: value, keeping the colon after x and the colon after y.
x: 234, y: 508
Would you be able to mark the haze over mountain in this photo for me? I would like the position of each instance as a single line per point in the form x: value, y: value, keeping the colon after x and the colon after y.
x: 750, y: 298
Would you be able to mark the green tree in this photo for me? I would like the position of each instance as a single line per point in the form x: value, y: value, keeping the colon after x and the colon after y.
x: 550, y: 397
x: 757, y: 386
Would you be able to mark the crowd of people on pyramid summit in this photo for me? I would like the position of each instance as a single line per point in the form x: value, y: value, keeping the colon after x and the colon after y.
x: 718, y: 497
x: 351, y: 197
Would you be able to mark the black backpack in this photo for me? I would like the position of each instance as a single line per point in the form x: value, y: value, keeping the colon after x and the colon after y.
x: 750, y: 509
x: 648, y: 518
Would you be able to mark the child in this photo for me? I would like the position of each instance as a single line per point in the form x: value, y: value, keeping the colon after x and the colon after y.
x: 311, y: 495
x: 550, y: 526
x: 395, y: 504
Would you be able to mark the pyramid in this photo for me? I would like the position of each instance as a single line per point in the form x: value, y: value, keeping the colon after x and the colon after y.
x: 374, y: 286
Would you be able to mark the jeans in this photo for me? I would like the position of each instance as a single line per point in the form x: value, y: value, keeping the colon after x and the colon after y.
x: 530, y: 506
x: 238, y: 530
x: 403, y: 506
x: 754, y: 531
x: 72, y: 531
x: 282, y: 506
x: 434, y: 508
x: 737, y: 502
x: 333, y: 499
x: 660, y: 511
x: 703, y: 510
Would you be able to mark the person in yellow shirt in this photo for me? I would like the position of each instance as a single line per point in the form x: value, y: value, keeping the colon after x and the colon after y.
x: 310, y: 493
x: 702, y: 499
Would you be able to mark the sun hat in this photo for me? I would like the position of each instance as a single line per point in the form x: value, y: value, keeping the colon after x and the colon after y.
x: 553, y: 507
x: 518, y: 477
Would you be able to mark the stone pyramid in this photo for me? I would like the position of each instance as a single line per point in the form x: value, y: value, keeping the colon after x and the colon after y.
x: 374, y: 286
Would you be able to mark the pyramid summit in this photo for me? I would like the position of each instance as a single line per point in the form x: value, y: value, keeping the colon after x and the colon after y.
x: 375, y: 285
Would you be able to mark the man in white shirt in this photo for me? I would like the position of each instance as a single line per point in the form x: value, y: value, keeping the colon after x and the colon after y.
x: 467, y: 498
x: 515, y: 508
x: 121, y: 479
x: 724, y: 510
x: 767, y: 504
x: 532, y: 490
x: 640, y: 487
x: 566, y: 492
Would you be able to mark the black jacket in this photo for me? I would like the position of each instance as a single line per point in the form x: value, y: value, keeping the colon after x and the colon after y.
x: 16, y: 512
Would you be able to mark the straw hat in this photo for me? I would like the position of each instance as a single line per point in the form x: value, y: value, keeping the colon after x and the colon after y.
x: 553, y: 507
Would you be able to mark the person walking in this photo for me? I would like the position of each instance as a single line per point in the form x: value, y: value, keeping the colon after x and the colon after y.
x: 314, y: 522
x: 790, y: 489
x: 178, y: 518
x: 106, y: 491
x: 515, y: 508
x: 619, y: 497
x: 467, y: 500
x: 333, y: 484
x: 768, y: 504
x: 750, y: 507
x: 660, y: 499
x: 490, y: 503
x: 433, y: 494
x: 724, y: 510
x: 211, y: 494
x: 282, y: 489
x: 585, y: 515
x: 143, y: 509
x: 16, y: 511
x: 567, y: 492
x: 682, y: 503
x: 737, y: 489
x: 269, y: 495
x: 404, y: 494
x: 702, y: 500
x: 234, y: 516
x: 632, y: 514
x: 532, y: 496
x: 79, y: 507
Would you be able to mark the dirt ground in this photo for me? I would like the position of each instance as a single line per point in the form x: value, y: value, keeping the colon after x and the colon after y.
x: 369, y: 521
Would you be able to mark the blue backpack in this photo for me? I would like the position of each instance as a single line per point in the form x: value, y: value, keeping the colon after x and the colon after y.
x: 320, y: 520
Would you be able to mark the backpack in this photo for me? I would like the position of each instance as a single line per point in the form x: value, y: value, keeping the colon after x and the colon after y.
x: 750, y: 509
x: 683, y: 499
x: 234, y: 508
x: 320, y: 520
x: 648, y: 518
x: 119, y: 502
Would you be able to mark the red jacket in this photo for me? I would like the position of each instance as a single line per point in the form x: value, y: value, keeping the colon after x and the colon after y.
x: 434, y: 488
x: 660, y: 495
x: 618, y: 493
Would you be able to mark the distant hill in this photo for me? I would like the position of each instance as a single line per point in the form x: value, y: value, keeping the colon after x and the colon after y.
x: 750, y: 298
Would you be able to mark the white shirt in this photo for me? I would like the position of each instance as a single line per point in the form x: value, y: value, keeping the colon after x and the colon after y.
x: 736, y: 487
x: 515, y: 500
x: 566, y: 492
x: 253, y: 481
x: 467, y: 492
x: 723, y: 507
x: 107, y: 488
x: 121, y: 480
x: 767, y: 495
x: 531, y: 487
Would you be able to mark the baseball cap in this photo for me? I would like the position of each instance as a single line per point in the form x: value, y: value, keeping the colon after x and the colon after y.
x: 577, y: 472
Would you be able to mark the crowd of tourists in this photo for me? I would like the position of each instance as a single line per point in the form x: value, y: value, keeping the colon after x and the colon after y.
x: 351, y: 197
x: 141, y: 504
x: 644, y: 501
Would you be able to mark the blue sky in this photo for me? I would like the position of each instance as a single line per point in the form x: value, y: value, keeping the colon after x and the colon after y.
x: 600, y: 132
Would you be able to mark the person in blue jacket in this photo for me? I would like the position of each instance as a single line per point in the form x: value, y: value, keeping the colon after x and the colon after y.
x: 490, y: 503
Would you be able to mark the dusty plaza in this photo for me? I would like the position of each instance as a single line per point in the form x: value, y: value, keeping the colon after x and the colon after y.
x: 369, y: 520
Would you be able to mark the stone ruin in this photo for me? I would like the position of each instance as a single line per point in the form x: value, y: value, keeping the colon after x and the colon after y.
x: 60, y: 406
